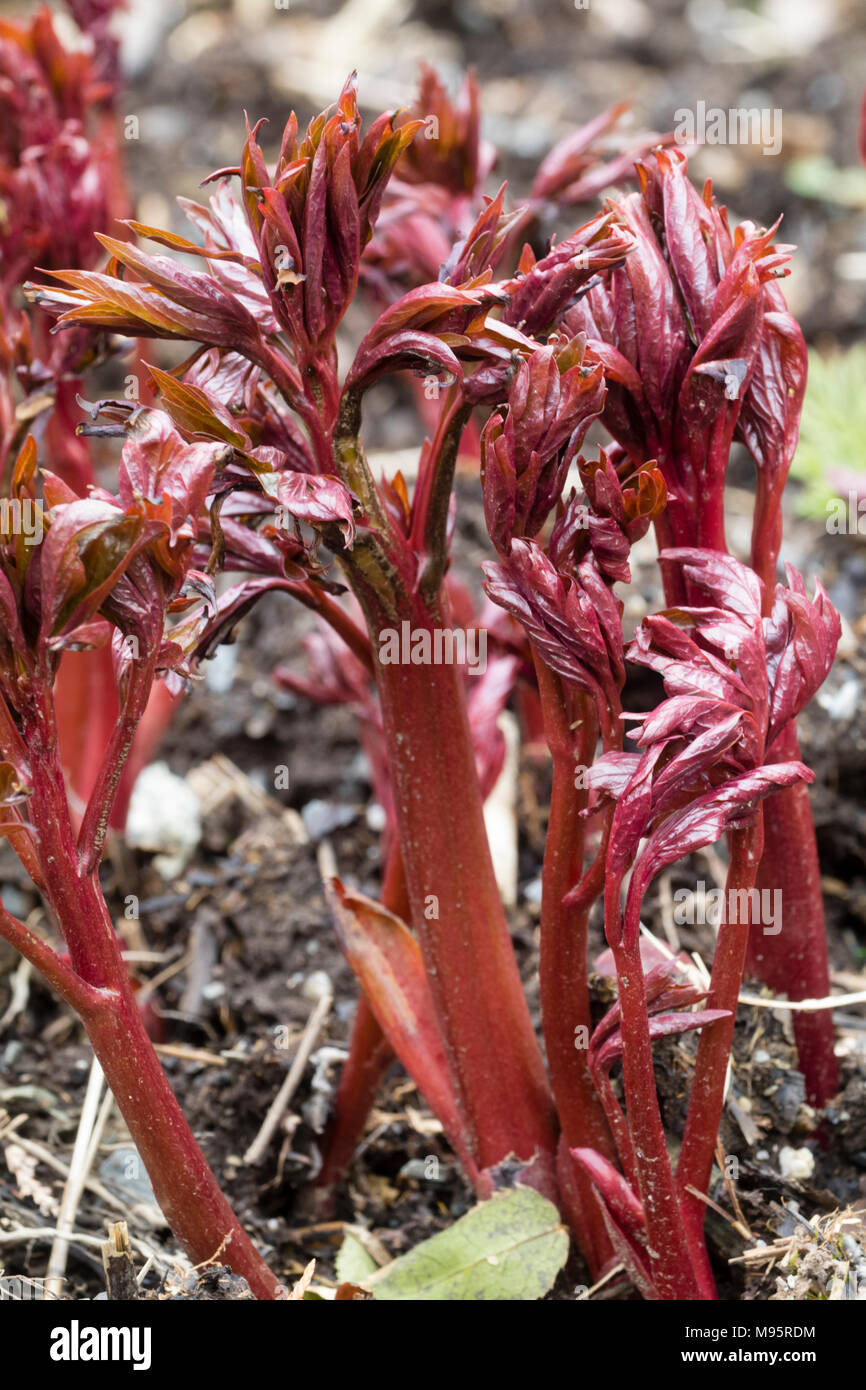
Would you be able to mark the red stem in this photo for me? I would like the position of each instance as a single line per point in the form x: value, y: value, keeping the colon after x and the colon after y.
x: 493, y: 1054
x: 563, y: 965
x: 63, y: 980
x: 370, y: 1056
x: 793, y: 961
x: 714, y: 1049
x: 672, y: 575
x: 587, y: 892
x: 94, y: 826
x: 183, y: 1184
x: 332, y: 613
x: 87, y: 707
x: 158, y: 714
x: 667, y: 1244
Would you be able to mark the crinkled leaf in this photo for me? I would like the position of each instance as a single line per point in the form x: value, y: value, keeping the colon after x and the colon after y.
x: 702, y: 823
x: 801, y: 640
x: 315, y: 499
x: 573, y: 623
x: 660, y: 1026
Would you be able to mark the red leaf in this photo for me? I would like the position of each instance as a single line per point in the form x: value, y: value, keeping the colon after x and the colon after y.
x: 623, y: 1216
x: 620, y: 1199
x: 661, y: 1026
x: 573, y: 623
x: 703, y: 822
x: 315, y: 499
x: 387, y: 961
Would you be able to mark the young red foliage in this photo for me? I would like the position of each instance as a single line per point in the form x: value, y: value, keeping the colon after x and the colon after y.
x: 653, y: 317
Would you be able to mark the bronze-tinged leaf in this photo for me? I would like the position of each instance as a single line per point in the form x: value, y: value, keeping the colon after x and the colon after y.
x: 352, y: 1293
x: 181, y: 243
x: 386, y: 958
x: 11, y: 789
x: 24, y: 471
x: 195, y: 412
x: 88, y: 546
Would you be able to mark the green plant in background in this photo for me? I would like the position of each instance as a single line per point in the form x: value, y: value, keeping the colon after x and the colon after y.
x: 830, y: 460
x: 819, y: 178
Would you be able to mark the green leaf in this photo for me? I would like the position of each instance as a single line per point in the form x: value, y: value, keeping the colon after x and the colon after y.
x: 830, y: 455
x: 354, y: 1263
x: 508, y: 1249
x: 816, y: 176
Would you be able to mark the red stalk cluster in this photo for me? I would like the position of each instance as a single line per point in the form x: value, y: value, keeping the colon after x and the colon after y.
x: 734, y: 681
x: 108, y: 570
x: 62, y: 181
x: 699, y: 350
x: 676, y: 340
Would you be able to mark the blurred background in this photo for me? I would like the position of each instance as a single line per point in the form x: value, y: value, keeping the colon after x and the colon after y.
x: 545, y: 66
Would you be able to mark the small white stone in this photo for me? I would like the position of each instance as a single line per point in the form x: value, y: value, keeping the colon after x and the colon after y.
x: 532, y: 891
x: 761, y: 1056
x: 796, y: 1163
x: 842, y: 703
x: 318, y: 986
x: 164, y: 818
x: 219, y: 670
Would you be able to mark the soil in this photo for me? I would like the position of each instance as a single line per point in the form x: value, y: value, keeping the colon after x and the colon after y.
x: 240, y: 943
